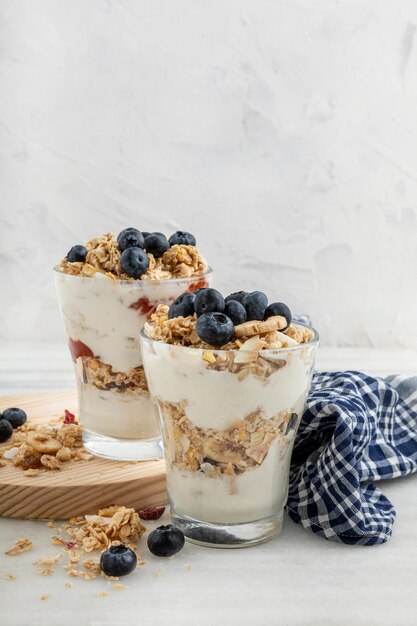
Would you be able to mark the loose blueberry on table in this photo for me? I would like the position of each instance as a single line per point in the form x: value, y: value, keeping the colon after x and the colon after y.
x: 166, y: 540
x: 16, y: 417
x: 6, y: 430
x: 118, y: 561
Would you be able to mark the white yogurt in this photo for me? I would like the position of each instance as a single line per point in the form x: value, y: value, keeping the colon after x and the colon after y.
x: 254, y: 495
x: 100, y: 312
x: 218, y: 399
x: 109, y: 413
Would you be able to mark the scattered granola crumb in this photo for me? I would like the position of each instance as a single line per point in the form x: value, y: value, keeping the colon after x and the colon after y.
x: 119, y: 587
x: 69, y: 585
x: 21, y: 545
x: 102, y: 594
x: 45, y: 571
x: 48, y: 560
x: 142, y: 564
x: 189, y: 567
x: 46, y: 596
x: 9, y: 576
x: 51, y: 524
x: 159, y: 573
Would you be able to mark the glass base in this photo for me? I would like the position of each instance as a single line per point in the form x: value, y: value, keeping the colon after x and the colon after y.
x: 227, y: 535
x: 123, y: 449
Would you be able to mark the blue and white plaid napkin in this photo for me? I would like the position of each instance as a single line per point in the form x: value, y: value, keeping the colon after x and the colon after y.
x: 356, y: 429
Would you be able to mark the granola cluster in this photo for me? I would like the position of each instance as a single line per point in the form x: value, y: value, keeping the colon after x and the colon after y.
x: 103, y: 257
x: 102, y: 376
x: 111, y: 525
x: 45, y: 447
x: 232, y: 452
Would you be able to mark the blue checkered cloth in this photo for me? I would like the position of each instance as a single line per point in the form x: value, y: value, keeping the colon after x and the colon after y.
x: 356, y: 429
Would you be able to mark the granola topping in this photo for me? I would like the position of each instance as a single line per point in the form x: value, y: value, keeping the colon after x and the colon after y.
x: 254, y: 335
x: 104, y: 257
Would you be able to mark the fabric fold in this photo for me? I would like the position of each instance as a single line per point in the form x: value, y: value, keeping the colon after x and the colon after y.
x: 356, y: 430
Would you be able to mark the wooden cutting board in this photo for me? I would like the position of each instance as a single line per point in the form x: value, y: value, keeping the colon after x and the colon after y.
x: 81, y: 487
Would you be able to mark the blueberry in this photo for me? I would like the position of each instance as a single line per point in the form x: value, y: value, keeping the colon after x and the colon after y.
x: 118, y: 561
x: 145, y: 234
x: 182, y: 306
x: 208, y: 300
x: 238, y: 296
x: 77, y: 254
x: 6, y: 430
x: 15, y: 416
x: 165, y: 540
x: 279, y: 308
x: 236, y: 311
x: 182, y: 239
x: 215, y: 328
x: 134, y: 262
x: 156, y: 244
x: 255, y: 304
x: 130, y: 238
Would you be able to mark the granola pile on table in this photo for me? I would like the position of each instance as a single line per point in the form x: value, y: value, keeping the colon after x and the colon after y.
x: 35, y: 447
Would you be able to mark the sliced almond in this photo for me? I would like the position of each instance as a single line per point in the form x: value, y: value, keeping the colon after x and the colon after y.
x: 286, y: 340
x: 48, y: 446
x: 256, y: 327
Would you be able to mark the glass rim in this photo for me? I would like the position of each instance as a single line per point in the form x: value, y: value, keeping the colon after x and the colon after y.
x: 314, y: 341
x: 137, y: 281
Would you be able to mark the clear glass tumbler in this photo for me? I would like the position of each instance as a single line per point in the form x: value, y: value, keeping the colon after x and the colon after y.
x: 229, y: 419
x: 103, y: 318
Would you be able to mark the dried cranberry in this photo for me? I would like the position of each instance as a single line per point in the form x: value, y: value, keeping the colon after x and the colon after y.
x: 199, y: 284
x: 69, y: 417
x: 154, y: 512
x: 144, y: 307
x: 70, y: 544
x: 78, y: 349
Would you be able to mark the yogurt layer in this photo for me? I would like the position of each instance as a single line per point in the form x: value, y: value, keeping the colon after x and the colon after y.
x: 254, y: 495
x: 107, y: 315
x: 125, y: 416
x: 218, y: 399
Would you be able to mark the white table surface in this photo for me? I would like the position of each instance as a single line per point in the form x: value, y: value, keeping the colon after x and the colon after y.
x: 295, y: 579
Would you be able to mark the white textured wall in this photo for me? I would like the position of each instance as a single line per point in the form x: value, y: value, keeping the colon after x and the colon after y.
x: 284, y: 134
